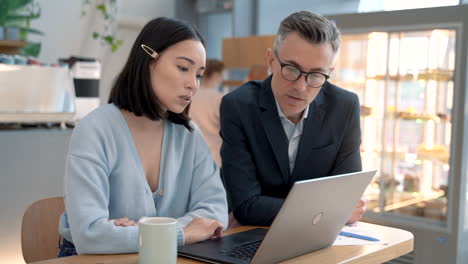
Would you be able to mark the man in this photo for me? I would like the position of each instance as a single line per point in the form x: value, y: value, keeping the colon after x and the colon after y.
x: 292, y: 126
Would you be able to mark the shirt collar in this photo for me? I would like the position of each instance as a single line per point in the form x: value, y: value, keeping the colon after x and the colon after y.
x: 283, y: 116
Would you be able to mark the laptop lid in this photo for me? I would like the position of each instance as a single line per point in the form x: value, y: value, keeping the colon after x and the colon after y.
x: 312, y: 215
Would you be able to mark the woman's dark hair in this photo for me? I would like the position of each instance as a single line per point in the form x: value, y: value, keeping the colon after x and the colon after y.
x: 132, y: 89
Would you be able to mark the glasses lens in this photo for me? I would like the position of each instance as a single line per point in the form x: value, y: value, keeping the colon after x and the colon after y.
x: 315, y: 79
x: 290, y: 73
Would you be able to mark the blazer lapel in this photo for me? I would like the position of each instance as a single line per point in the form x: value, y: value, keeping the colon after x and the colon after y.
x: 310, y: 133
x: 273, y: 128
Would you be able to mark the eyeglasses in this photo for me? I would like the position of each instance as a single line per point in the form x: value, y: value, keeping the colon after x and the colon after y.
x: 292, y: 73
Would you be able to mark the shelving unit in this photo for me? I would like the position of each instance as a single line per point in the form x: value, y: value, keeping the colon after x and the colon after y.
x: 243, y: 54
x: 11, y: 46
x: 407, y: 133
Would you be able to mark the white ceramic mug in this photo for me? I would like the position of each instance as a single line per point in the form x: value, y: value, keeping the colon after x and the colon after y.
x: 158, y: 240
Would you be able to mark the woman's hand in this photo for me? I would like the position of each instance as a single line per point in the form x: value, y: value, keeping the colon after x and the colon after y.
x: 200, y: 229
x: 124, y: 222
x: 358, y: 211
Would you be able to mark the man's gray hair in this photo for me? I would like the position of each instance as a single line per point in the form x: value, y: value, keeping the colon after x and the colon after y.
x: 312, y: 27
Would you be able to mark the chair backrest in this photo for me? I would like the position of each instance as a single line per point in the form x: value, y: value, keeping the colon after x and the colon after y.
x: 40, y: 229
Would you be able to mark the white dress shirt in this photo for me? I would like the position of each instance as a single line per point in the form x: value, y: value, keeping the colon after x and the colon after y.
x: 293, y: 133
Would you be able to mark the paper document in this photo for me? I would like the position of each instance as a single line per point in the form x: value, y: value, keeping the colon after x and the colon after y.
x: 359, y: 231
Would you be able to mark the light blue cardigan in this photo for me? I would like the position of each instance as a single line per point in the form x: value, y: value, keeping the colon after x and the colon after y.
x: 105, y: 180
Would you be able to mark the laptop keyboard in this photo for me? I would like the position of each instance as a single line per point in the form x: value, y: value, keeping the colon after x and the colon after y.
x: 246, y: 251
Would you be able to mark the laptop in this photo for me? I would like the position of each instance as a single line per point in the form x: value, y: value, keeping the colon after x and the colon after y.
x: 311, y: 217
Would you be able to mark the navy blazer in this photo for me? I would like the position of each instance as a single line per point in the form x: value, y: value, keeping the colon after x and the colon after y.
x: 254, y: 152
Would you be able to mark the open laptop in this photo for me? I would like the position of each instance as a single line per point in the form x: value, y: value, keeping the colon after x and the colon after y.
x: 312, y: 215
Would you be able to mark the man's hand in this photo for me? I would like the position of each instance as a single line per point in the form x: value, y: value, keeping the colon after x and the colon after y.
x: 124, y: 222
x: 358, y: 211
x: 200, y: 229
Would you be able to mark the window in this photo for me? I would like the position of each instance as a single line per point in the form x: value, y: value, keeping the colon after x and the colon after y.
x: 389, y: 5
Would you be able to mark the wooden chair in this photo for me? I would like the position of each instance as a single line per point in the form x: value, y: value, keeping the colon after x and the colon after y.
x: 40, y: 229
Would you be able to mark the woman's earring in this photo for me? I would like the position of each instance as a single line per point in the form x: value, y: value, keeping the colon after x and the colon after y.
x: 150, y: 51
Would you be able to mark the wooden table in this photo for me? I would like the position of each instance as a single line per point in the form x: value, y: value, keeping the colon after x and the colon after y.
x: 399, y: 241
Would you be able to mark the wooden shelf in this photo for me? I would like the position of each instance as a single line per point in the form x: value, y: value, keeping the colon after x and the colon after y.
x: 11, y: 46
x: 441, y: 75
x: 412, y: 116
x: 245, y: 52
x: 232, y: 83
x: 437, y: 155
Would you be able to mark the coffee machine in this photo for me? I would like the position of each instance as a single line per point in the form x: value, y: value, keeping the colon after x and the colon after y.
x: 86, y: 75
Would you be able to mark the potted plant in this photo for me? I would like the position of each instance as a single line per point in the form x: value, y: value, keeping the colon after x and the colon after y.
x: 15, y: 22
x: 105, y: 32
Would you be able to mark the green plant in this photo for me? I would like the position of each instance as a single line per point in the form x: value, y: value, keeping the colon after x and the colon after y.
x: 106, y: 10
x: 18, y: 14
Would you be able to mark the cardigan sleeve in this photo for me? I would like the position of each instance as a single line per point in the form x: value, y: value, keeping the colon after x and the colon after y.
x: 87, y: 196
x: 207, y: 195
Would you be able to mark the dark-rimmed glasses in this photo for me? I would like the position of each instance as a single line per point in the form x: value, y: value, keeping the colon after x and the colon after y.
x: 292, y: 73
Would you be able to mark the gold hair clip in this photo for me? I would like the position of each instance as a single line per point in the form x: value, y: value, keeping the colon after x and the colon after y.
x: 150, y: 51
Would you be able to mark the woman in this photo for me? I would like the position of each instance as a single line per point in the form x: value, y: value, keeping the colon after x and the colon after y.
x: 140, y: 155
